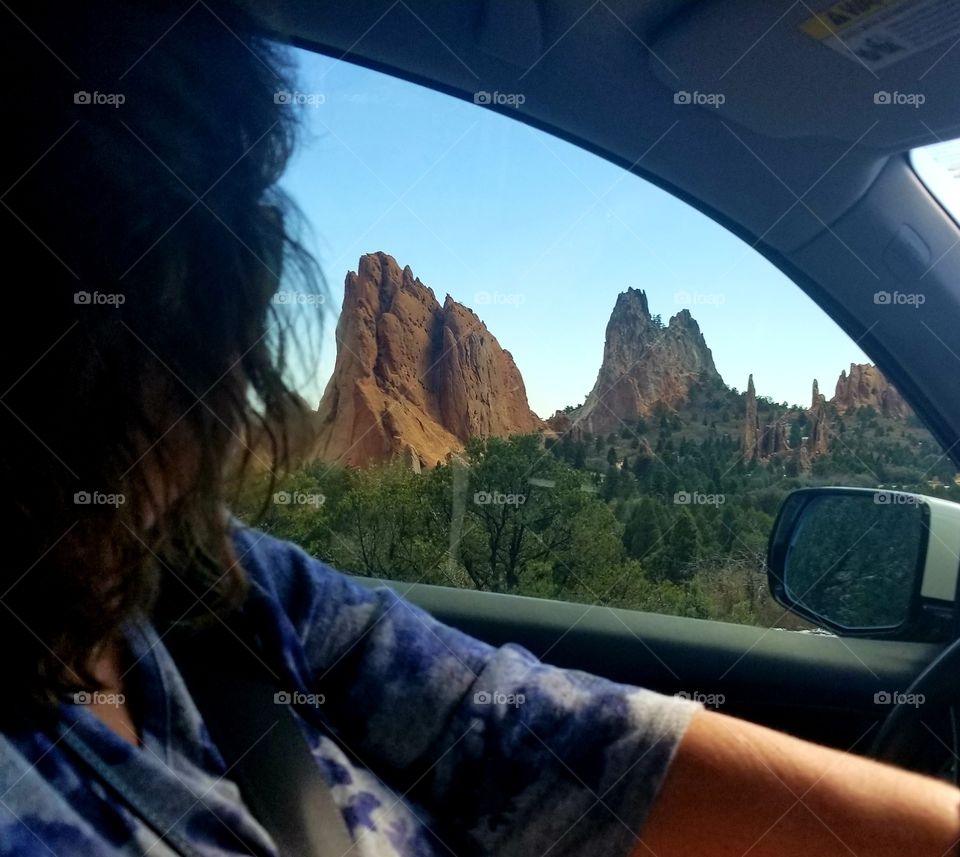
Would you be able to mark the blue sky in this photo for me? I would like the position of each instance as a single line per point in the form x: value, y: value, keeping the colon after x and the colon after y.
x: 538, y: 237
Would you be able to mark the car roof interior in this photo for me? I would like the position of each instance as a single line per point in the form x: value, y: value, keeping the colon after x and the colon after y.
x: 798, y: 160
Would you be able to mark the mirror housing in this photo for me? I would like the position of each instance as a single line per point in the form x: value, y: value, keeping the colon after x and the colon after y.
x: 865, y: 562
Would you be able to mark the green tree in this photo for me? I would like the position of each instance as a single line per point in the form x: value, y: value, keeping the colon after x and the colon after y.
x: 642, y: 531
x: 515, y: 497
x: 385, y: 523
x: 580, y: 455
x: 796, y: 434
x: 302, y: 507
x: 682, y: 548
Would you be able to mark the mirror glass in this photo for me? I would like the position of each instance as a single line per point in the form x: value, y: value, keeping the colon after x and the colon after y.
x: 854, y: 559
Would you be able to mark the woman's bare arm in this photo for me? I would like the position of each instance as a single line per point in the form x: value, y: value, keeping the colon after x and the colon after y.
x: 736, y: 789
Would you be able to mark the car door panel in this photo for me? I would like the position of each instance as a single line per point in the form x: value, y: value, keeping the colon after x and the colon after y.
x: 816, y: 686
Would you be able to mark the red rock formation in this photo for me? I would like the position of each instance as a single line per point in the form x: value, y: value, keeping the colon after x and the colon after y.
x: 750, y: 433
x: 773, y: 439
x: 560, y: 423
x: 757, y: 443
x: 818, y: 437
x: 413, y: 379
x: 866, y: 385
x: 644, y: 365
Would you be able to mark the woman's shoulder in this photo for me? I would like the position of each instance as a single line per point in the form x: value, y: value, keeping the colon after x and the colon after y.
x: 283, y: 571
x: 312, y: 615
x: 300, y: 593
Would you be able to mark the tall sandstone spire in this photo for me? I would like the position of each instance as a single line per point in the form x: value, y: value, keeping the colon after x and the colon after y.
x: 818, y: 438
x: 750, y: 435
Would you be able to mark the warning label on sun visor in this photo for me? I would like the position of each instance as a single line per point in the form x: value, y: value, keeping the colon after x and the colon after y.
x: 878, y: 33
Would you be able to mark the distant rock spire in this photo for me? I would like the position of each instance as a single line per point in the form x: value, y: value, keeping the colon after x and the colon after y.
x: 818, y: 436
x: 750, y: 435
x: 757, y: 443
x: 645, y: 364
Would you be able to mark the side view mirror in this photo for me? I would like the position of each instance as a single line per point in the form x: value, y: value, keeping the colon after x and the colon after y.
x: 867, y: 562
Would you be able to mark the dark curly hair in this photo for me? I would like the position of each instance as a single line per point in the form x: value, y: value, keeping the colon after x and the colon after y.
x: 143, y: 239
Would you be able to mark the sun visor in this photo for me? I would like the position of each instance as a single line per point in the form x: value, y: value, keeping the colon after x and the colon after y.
x: 879, y: 72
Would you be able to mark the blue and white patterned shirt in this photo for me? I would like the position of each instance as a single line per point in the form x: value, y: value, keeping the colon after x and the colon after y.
x: 442, y: 744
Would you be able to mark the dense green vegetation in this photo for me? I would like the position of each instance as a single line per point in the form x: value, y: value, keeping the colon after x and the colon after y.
x: 663, y: 515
